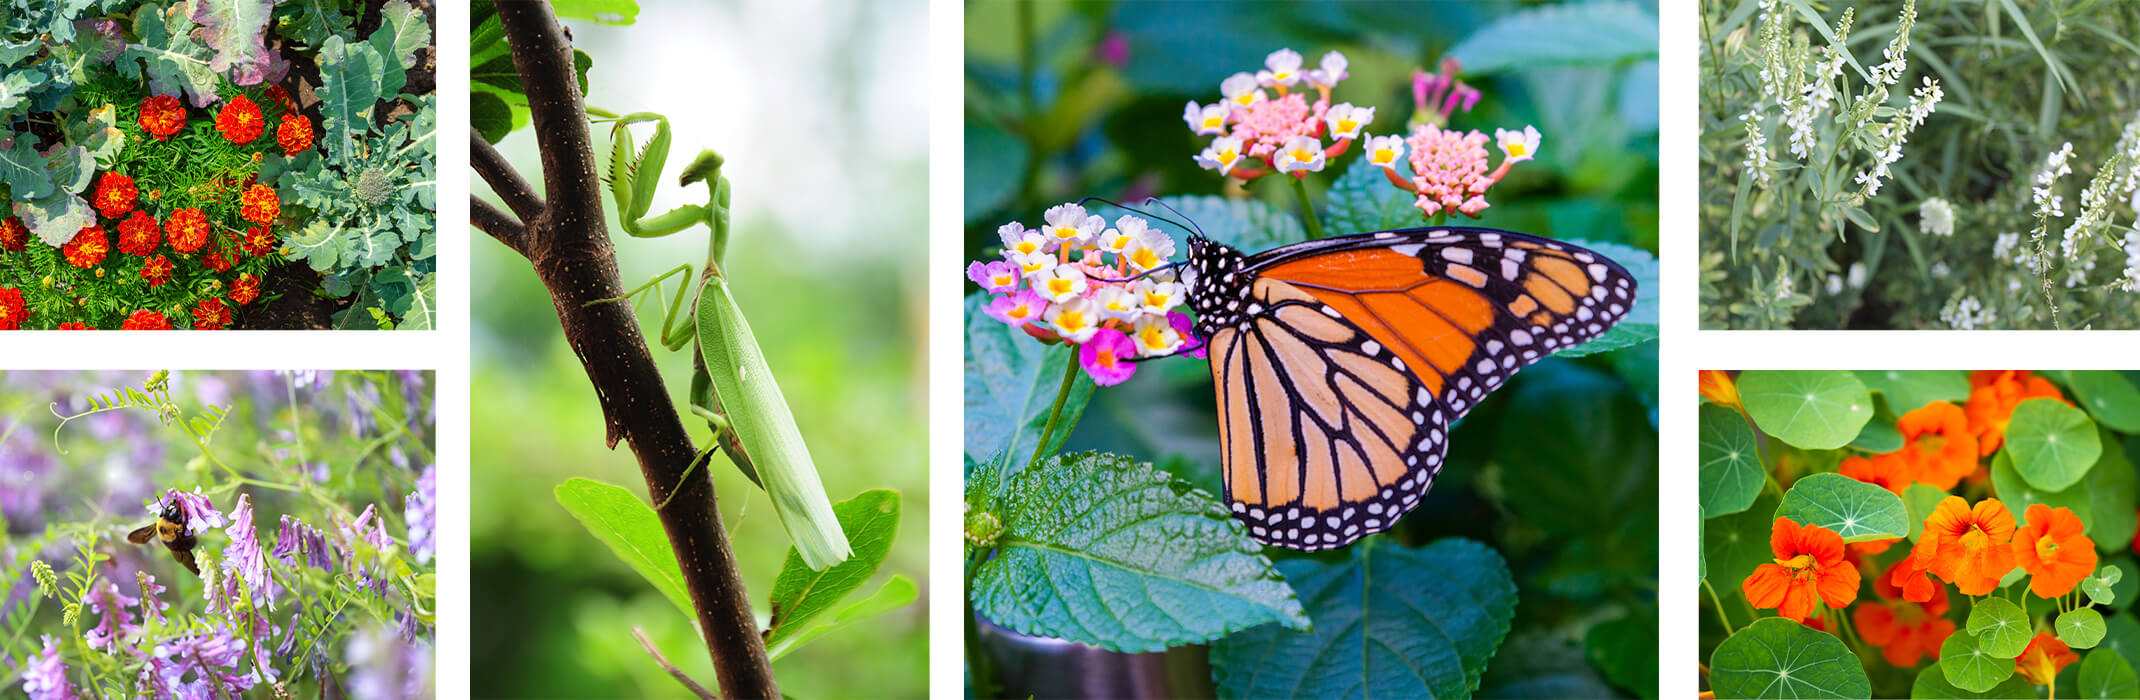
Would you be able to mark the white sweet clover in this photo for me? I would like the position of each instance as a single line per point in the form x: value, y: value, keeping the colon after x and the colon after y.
x: 1937, y: 217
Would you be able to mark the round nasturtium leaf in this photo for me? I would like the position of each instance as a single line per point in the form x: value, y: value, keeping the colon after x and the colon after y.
x: 1814, y: 410
x: 2080, y: 629
x: 2001, y: 627
x: 1731, y: 462
x: 1858, y: 511
x: 2107, y: 675
x: 1968, y: 666
x: 1779, y: 658
x: 2053, y: 444
x: 2018, y: 494
x: 1909, y: 390
x: 2109, y: 397
x: 2098, y: 586
x: 1878, y: 436
x: 1932, y: 684
x: 1738, y: 543
x: 1920, y: 500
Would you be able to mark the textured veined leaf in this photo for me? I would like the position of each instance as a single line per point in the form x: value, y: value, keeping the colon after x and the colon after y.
x: 1815, y: 410
x: 1969, y: 666
x: 1779, y: 658
x: 2052, y: 444
x: 1731, y: 470
x: 1856, y: 510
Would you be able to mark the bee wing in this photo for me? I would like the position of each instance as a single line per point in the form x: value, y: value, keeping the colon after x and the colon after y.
x: 142, y: 535
x: 186, y: 557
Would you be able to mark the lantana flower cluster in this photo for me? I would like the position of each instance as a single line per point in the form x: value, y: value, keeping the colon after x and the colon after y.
x: 1106, y: 290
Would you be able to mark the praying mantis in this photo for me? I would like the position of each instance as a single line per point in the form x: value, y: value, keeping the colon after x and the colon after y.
x: 731, y: 387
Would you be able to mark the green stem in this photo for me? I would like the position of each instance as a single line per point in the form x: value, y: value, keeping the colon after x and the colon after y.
x: 1441, y: 218
x: 1056, y: 414
x: 1718, y: 602
x: 977, y: 664
x: 1307, y: 208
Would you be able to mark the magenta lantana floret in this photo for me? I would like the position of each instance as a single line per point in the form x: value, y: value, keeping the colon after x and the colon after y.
x: 1078, y: 280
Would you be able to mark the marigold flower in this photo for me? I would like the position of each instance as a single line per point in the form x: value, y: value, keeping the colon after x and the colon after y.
x: 1938, y: 443
x: 260, y: 205
x: 188, y: 229
x: 115, y: 195
x: 1018, y: 309
x: 2044, y: 658
x: 1718, y: 387
x: 162, y: 116
x: 295, y: 134
x: 88, y: 247
x: 245, y: 289
x: 14, y: 310
x: 13, y: 235
x: 74, y: 326
x: 1809, y: 567
x: 1993, y: 394
x: 260, y: 241
x: 211, y: 315
x: 2053, y: 550
x: 280, y: 97
x: 1904, y: 631
x: 1968, y: 547
x: 1106, y: 357
x: 145, y: 320
x: 240, y: 120
x: 220, y: 256
x: 156, y: 271
x: 139, y: 234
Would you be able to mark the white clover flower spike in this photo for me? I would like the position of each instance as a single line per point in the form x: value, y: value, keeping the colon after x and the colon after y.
x: 1302, y: 154
x: 1519, y: 145
x: 1205, y: 120
x: 1075, y: 320
x: 1346, y: 121
x: 1118, y: 303
x: 1385, y: 151
x: 1154, y: 336
x: 1061, y: 283
x: 1069, y: 225
x: 1283, y: 69
x: 1332, y: 70
x: 1222, y: 155
x: 1240, y: 91
x: 1151, y: 250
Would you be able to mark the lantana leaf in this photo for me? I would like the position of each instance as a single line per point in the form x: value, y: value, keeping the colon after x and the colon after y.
x: 1363, y: 200
x: 2053, y: 444
x: 1583, y: 34
x: 1779, y: 658
x: 1249, y: 225
x: 1731, y: 470
x: 1856, y: 510
x: 1814, y: 410
x: 1011, y: 384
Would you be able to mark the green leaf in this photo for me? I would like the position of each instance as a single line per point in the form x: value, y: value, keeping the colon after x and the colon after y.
x: 2053, y: 444
x: 1581, y: 486
x: 402, y: 31
x: 490, y: 115
x: 1738, y: 543
x: 1878, y: 437
x: 1625, y: 648
x: 168, y: 56
x: 2018, y: 495
x: 2112, y: 490
x: 618, y: 12
x: 1779, y: 658
x: 1640, y: 324
x: 2122, y: 637
x: 1731, y: 470
x: 995, y: 162
x: 23, y: 170
x: 1248, y: 225
x: 1011, y: 385
x: 2099, y: 585
x: 2080, y: 629
x: 1081, y: 532
x: 632, y: 531
x: 1920, y: 500
x: 2107, y: 675
x: 2002, y: 628
x: 897, y: 592
x: 800, y: 595
x: 1967, y: 665
x: 1932, y: 683
x: 1815, y: 410
x: 1909, y: 390
x: 57, y: 217
x: 1363, y: 200
x: 1858, y: 511
x: 1586, y: 34
x: 1390, y: 621
x: 2109, y: 397
x: 350, y: 87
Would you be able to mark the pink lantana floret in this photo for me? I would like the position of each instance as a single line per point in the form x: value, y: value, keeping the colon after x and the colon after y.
x: 1106, y: 357
x: 1449, y: 170
x: 1018, y: 309
x: 997, y: 277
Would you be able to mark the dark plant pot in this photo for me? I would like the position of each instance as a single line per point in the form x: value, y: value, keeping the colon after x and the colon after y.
x: 1044, y: 667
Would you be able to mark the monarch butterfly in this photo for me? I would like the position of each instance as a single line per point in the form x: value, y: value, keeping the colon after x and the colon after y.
x: 1341, y: 363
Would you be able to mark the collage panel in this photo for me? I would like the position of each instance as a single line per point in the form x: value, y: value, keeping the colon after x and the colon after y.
x: 1919, y: 533
x: 218, y: 534
x: 1248, y: 287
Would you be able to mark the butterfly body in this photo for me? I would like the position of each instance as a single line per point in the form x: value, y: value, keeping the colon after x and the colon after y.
x: 1341, y: 363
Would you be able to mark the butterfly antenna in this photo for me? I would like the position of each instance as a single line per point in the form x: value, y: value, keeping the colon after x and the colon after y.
x: 1141, y: 275
x: 1143, y: 213
x: 1192, y: 222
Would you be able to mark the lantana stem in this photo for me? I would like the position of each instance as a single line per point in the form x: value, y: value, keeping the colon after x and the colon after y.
x: 1056, y: 414
x: 1441, y: 217
x: 1307, y: 208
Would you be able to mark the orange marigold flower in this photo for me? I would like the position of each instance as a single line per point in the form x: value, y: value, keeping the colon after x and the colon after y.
x: 13, y: 235
x: 156, y: 271
x: 240, y: 120
x: 1809, y: 565
x: 13, y: 309
x: 162, y: 116
x: 139, y: 234
x: 1993, y: 394
x: 2044, y: 658
x: 146, y: 320
x: 211, y: 315
x: 1938, y: 444
x: 220, y: 257
x: 74, y: 326
x: 1889, y: 471
x: 1904, y: 631
x: 1968, y: 547
x: 188, y: 228
x: 115, y: 195
x: 260, y: 240
x: 1716, y: 385
x: 88, y: 247
x: 295, y: 134
x: 260, y: 205
x: 245, y: 289
x: 2053, y: 550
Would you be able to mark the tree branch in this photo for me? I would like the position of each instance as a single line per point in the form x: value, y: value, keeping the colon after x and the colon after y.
x: 498, y: 224
x: 678, y: 673
x: 502, y: 178
x: 568, y: 245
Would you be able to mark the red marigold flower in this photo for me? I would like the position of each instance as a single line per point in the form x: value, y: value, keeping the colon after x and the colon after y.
x: 157, y: 271
x: 219, y: 258
x: 13, y: 309
x: 240, y: 120
x: 260, y: 241
x: 162, y: 116
x: 2053, y: 550
x: 139, y: 234
x: 280, y: 97
x: 1809, y: 564
x: 13, y: 235
x: 1904, y: 631
x: 115, y: 195
x: 260, y: 205
x: 146, y: 320
x: 1940, y: 447
x: 88, y: 247
x: 188, y: 228
x: 295, y: 134
x: 245, y: 289
x: 2044, y: 658
x: 74, y: 326
x: 211, y: 315
x: 1993, y: 394
x: 1968, y: 547
x: 1716, y: 385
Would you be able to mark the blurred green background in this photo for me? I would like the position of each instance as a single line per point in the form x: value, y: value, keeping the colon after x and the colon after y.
x: 816, y: 106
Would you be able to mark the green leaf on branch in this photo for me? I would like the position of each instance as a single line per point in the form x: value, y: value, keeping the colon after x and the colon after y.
x: 1080, y: 530
x: 1779, y: 658
x: 2107, y: 675
x: 1814, y: 410
x: 1967, y: 665
x: 633, y: 532
x: 1390, y: 621
x: 1011, y: 385
x: 897, y: 592
x: 1856, y: 510
x: 800, y: 595
x: 2001, y: 627
x: 1584, y: 34
x: 1909, y: 390
x: 1731, y: 469
x: 2080, y: 629
x: 618, y: 12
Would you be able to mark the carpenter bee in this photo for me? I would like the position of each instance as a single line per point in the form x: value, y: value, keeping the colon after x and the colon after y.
x: 170, y: 528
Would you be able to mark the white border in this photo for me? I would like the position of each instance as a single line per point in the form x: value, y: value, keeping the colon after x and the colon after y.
x: 946, y: 337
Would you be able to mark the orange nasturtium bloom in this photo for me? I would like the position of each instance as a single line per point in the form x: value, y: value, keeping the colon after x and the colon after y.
x: 2043, y: 658
x: 1968, y: 547
x: 1904, y: 631
x: 1890, y: 471
x: 1993, y: 394
x: 1809, y: 564
x: 2053, y: 550
x: 1913, y: 577
x: 1938, y: 444
x: 1717, y: 386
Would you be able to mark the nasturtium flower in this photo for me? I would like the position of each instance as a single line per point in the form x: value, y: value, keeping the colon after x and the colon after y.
x: 88, y: 247
x: 156, y: 271
x: 1891, y: 470
x: 1240, y: 90
x: 1993, y: 394
x: 115, y: 195
x: 13, y: 309
x: 1018, y: 309
x: 1968, y: 547
x: 2044, y: 658
x: 261, y: 206
x: 1896, y: 583
x: 996, y: 277
x: 139, y: 234
x: 1222, y: 155
x: 1205, y: 120
x: 1301, y: 156
x: 1718, y: 387
x: 13, y: 235
x: 1106, y: 357
x: 1345, y: 121
x: 1384, y: 151
x: 1075, y: 319
x: 1061, y: 283
x: 1904, y: 631
x: 1518, y: 146
x: 260, y: 241
x: 211, y: 315
x: 74, y: 326
x: 1156, y: 336
x: 1937, y: 441
x: 162, y: 116
x: 1809, y: 567
x: 240, y: 120
x: 45, y: 676
x: 1330, y: 71
x: 245, y: 288
x: 146, y: 320
x: 114, y: 624
x: 188, y: 229
x: 2053, y: 550
x: 295, y: 134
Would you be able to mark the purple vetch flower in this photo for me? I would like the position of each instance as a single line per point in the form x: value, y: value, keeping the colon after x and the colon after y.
x: 370, y: 530
x: 151, y: 682
x: 422, y: 514
x: 296, y: 539
x: 116, y: 624
x: 211, y: 659
x: 200, y: 514
x: 151, y: 607
x: 46, y: 677
x: 383, y: 666
x: 243, y: 558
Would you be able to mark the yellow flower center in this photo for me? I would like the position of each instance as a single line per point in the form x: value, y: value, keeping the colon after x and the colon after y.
x: 1384, y: 155
x: 1107, y: 360
x: 1797, y: 563
x: 1144, y: 258
x: 1027, y: 247
x: 1153, y: 337
x: 1157, y: 300
x: 1303, y: 155
x: 1059, y: 287
x: 2046, y: 548
x: 1246, y: 98
x: 1518, y: 149
x: 1976, y: 537
x: 1226, y: 157
x: 1071, y: 321
x: 1214, y: 122
x: 1932, y: 442
x: 1065, y: 232
x: 1020, y: 311
x: 1282, y: 76
x: 1032, y: 267
x: 1120, y: 303
x: 1347, y: 125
